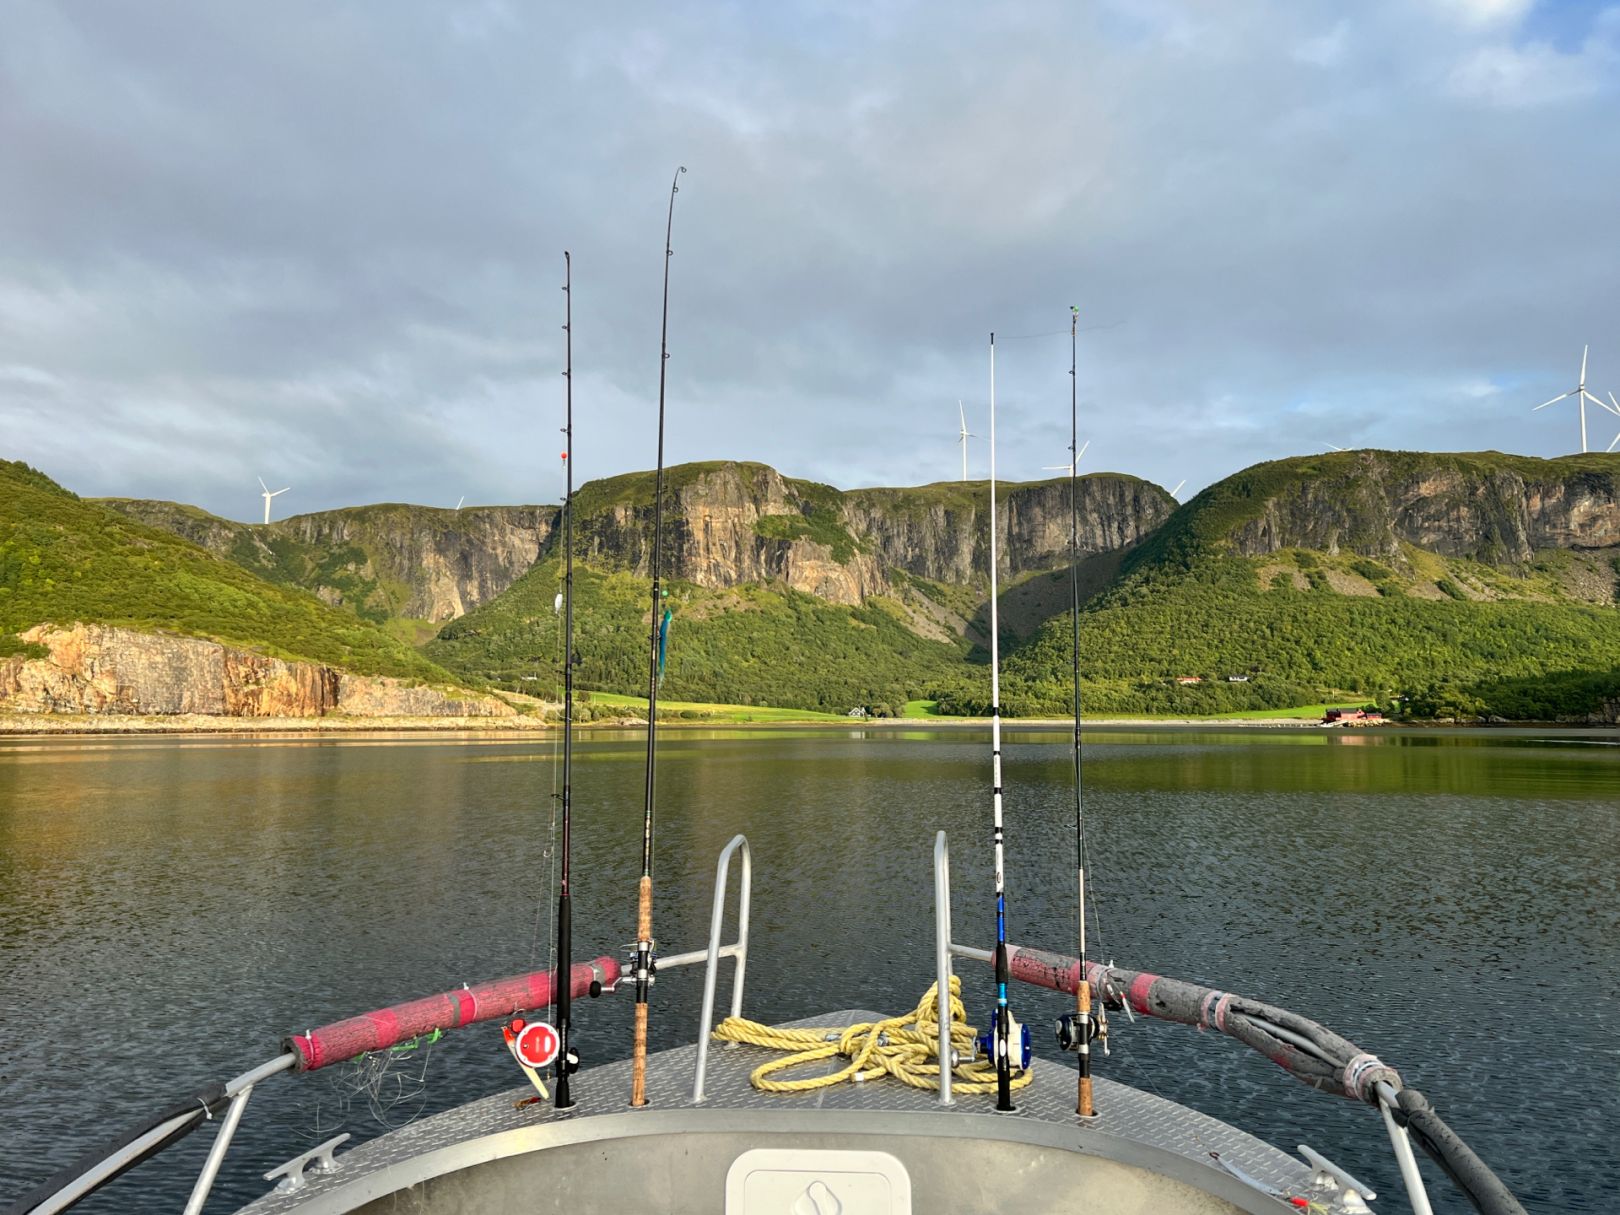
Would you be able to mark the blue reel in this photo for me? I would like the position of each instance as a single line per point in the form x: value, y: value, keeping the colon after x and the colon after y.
x: 1018, y: 1041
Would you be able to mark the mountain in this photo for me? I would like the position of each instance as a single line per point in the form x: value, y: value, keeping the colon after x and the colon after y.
x: 727, y: 524
x: 1476, y: 582
x: 788, y: 591
x: 1482, y: 580
x: 99, y: 612
x: 384, y: 562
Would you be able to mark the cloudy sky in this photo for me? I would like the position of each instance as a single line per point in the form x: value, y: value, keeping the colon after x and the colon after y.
x: 322, y: 243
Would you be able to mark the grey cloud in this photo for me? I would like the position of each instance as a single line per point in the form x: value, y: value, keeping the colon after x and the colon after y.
x: 323, y: 243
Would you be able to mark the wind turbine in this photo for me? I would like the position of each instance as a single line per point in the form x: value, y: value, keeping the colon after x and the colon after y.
x: 1616, y: 442
x: 1582, y: 397
x: 1176, y: 492
x: 1334, y: 447
x: 1069, y: 467
x: 460, y: 500
x: 268, y: 494
x: 963, y: 438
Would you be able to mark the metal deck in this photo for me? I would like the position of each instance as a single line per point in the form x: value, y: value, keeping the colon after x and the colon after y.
x: 1133, y: 1127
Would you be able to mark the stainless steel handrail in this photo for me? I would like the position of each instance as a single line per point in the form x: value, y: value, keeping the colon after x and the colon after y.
x: 738, y: 950
x: 942, y: 959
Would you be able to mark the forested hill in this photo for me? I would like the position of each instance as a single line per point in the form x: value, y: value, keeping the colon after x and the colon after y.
x: 1473, y: 584
x: 65, y: 560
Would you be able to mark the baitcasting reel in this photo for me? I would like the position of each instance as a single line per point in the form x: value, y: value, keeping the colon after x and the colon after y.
x: 1069, y: 1031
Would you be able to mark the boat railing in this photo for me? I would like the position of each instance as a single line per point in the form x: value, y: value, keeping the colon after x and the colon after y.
x: 228, y: 1101
x: 1286, y: 1038
x: 711, y: 956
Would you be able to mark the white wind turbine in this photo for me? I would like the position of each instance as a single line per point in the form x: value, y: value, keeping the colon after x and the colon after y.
x: 1581, y: 398
x: 1070, y: 466
x: 1334, y: 446
x: 963, y: 438
x: 268, y: 494
x: 1176, y: 492
x: 1616, y: 442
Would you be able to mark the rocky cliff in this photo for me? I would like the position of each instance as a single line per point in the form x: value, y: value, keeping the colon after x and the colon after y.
x: 1484, y: 506
x: 380, y: 561
x: 726, y: 524
x: 942, y: 531
x: 734, y: 523
x: 101, y: 670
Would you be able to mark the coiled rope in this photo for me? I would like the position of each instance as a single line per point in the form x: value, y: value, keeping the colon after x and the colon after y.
x: 905, y: 1047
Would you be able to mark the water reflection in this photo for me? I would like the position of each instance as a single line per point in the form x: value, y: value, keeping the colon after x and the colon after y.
x: 1448, y: 900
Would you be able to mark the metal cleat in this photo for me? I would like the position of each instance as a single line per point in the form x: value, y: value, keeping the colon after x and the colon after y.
x: 290, y: 1176
x: 1336, y: 1189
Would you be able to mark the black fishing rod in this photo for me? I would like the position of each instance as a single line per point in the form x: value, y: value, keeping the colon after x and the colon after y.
x: 644, y: 937
x: 567, y: 1058
x: 1083, y: 1032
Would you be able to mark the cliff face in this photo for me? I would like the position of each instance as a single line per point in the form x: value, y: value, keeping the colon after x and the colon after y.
x: 443, y: 562
x: 1485, y: 507
x: 97, y: 669
x: 726, y: 524
x: 942, y: 532
x: 380, y: 561
x: 729, y: 524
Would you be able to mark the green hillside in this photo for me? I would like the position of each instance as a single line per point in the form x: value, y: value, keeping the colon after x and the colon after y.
x: 63, y: 559
x: 750, y: 645
x: 1293, y: 645
x: 1472, y: 635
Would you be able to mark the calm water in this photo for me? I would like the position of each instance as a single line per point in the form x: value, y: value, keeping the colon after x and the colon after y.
x: 1449, y: 901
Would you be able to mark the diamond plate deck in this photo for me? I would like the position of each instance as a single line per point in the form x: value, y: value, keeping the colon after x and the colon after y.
x: 1129, y: 1119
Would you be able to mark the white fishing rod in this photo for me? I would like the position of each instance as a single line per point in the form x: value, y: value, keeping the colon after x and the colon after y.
x: 1002, y: 1034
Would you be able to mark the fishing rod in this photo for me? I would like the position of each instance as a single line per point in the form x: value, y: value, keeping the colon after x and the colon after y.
x: 1082, y: 1030
x: 644, y: 938
x: 1003, y: 1020
x: 567, y: 1059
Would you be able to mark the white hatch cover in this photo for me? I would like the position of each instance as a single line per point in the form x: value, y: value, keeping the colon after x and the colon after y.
x: 803, y: 1181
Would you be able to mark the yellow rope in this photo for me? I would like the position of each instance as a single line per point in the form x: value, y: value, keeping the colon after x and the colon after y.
x: 905, y: 1047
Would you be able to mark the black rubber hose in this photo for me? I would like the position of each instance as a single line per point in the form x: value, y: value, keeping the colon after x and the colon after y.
x: 202, y: 1104
x: 1467, y: 1171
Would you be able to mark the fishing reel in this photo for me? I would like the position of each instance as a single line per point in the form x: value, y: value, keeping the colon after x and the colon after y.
x: 630, y: 970
x: 1070, y: 1035
x: 1018, y: 1041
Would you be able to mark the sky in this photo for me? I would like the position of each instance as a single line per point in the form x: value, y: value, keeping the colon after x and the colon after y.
x: 322, y: 243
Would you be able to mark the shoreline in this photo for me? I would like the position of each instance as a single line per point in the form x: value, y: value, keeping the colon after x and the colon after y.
x: 19, y: 725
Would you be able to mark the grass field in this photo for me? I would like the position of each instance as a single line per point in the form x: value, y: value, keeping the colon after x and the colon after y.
x: 694, y: 711
x: 925, y: 710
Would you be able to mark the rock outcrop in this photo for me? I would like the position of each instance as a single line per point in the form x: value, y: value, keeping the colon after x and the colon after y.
x: 98, y: 669
x: 726, y: 524
x: 380, y: 561
x: 734, y: 523
x: 1485, y: 507
x: 942, y: 532
x: 729, y: 524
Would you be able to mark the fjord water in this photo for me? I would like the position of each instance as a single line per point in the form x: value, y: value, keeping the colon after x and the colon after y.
x: 1447, y: 900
